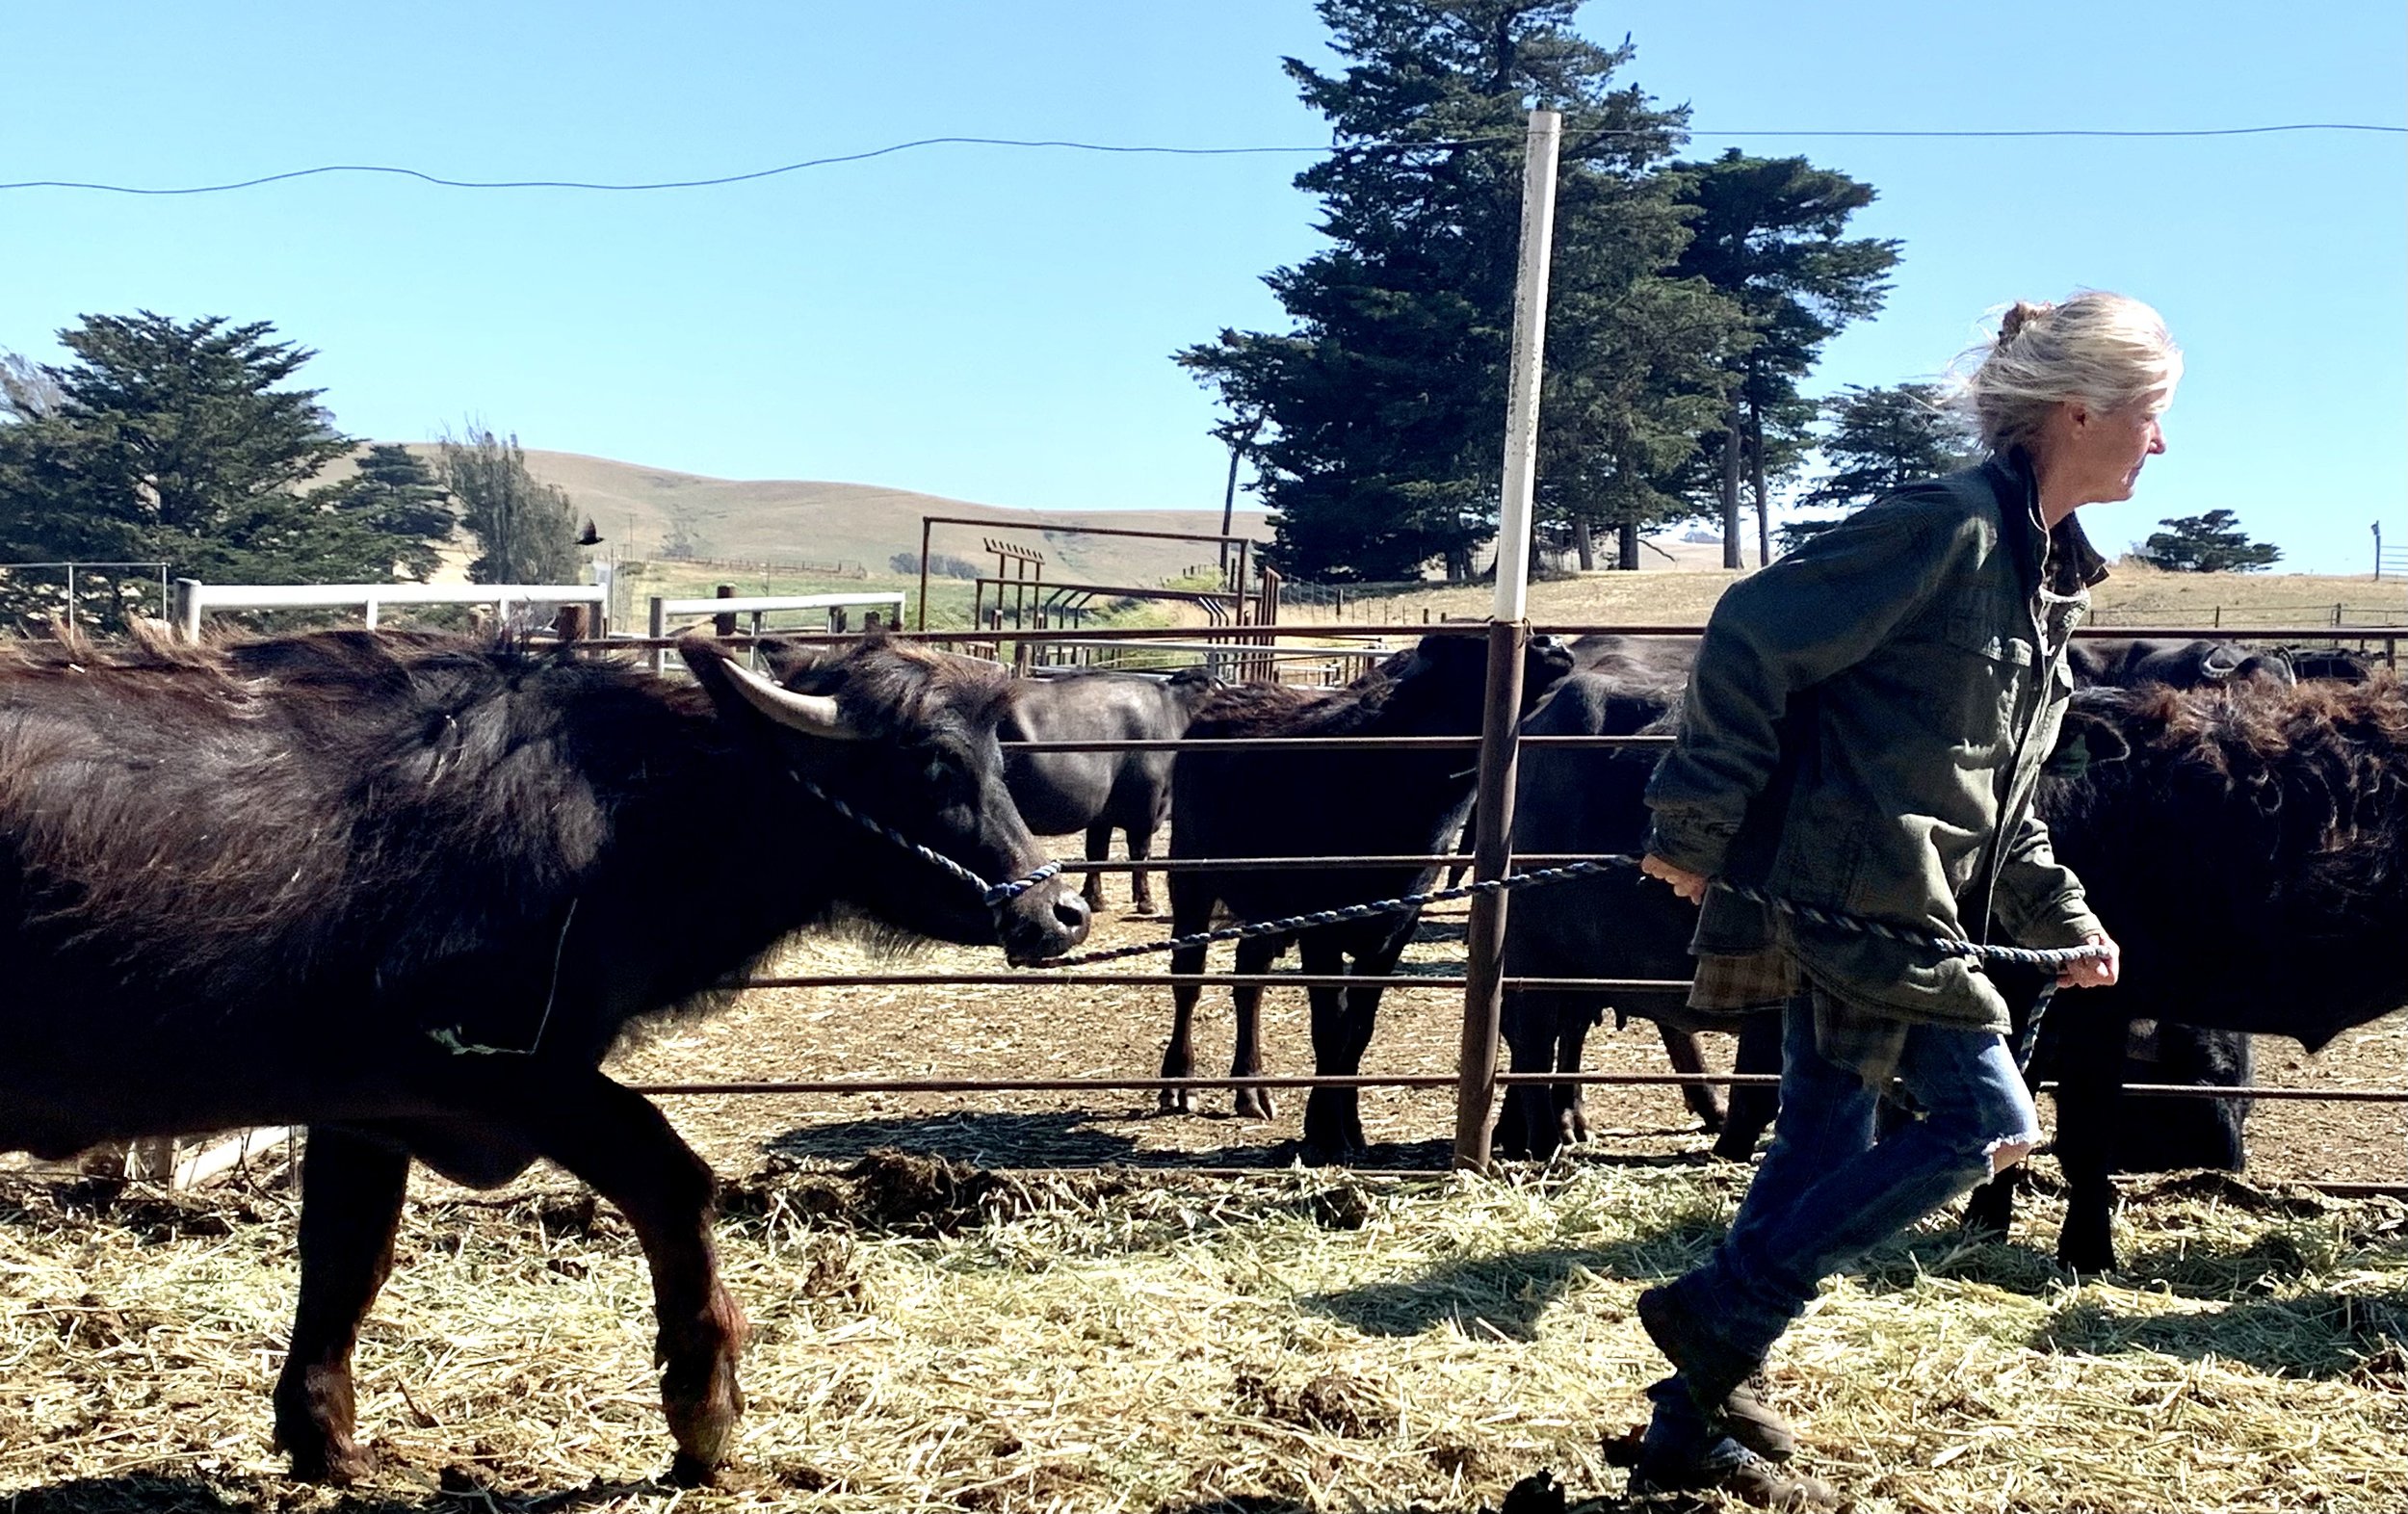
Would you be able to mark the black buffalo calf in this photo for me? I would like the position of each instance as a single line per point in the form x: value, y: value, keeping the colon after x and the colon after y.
x: 1323, y: 803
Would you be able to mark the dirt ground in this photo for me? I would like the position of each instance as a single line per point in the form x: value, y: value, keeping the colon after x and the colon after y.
x: 1048, y: 1031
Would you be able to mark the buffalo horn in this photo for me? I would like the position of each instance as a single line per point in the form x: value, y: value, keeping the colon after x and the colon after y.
x: 813, y: 715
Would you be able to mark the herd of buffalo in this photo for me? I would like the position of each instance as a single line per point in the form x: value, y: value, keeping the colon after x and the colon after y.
x: 411, y: 891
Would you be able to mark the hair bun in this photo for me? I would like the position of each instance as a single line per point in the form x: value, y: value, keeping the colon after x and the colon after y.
x: 2021, y: 314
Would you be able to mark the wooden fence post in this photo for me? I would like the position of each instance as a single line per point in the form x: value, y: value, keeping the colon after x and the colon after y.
x: 1509, y: 633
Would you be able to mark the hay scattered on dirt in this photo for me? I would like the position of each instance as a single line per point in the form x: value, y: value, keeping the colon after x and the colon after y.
x: 928, y: 1336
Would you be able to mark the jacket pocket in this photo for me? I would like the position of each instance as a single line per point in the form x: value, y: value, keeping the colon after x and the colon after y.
x: 1976, y: 622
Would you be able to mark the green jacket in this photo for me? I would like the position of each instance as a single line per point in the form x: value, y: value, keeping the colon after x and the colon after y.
x: 1867, y: 722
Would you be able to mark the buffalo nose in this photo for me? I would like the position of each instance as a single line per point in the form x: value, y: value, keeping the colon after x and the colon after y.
x: 1070, y: 913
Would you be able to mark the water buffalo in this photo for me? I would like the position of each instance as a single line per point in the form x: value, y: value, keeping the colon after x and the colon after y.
x: 1655, y: 667
x: 1060, y: 794
x: 410, y: 892
x: 2250, y: 854
x: 1324, y: 803
x: 1616, y: 925
x: 2128, y: 663
x: 2335, y: 664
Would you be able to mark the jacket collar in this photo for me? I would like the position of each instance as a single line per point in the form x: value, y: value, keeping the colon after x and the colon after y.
x: 2070, y: 561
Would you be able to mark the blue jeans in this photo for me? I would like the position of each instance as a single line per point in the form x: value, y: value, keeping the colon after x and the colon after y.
x: 1828, y: 1191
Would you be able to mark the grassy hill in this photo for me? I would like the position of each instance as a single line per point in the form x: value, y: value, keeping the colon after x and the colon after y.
x: 644, y: 510
x: 641, y: 510
x: 2133, y: 596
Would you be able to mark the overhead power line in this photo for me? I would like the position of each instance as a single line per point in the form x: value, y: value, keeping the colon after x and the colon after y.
x: 396, y: 171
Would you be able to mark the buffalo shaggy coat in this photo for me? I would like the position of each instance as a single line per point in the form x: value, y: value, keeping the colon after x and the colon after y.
x: 1324, y: 803
x: 410, y: 892
x: 2250, y: 854
x: 1061, y: 793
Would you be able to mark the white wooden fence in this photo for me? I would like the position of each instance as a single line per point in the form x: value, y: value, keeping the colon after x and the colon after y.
x: 195, y: 600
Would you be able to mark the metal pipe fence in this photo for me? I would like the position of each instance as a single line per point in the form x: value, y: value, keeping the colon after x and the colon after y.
x: 1472, y: 1091
x: 1255, y: 635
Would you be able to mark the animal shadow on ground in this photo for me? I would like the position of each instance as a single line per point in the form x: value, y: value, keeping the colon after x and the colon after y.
x: 1059, y: 1138
x: 1051, y: 1137
x: 1429, y: 929
x: 2361, y: 1338
x: 1537, y: 1494
x: 1503, y: 1294
x: 461, y: 1493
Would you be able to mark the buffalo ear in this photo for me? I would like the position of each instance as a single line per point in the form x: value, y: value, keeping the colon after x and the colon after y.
x: 740, y: 694
x: 2088, y: 738
x: 786, y: 659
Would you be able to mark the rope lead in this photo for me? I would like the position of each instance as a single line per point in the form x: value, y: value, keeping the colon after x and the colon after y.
x: 997, y: 895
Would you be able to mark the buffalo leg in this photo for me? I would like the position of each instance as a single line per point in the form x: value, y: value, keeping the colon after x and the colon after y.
x: 1681, y: 1050
x: 1543, y: 1032
x: 1752, y: 1106
x: 616, y: 1140
x: 1179, y: 1056
x: 352, y: 1190
x: 1528, y: 1021
x: 1572, y: 1027
x: 1341, y: 1032
x: 1099, y: 847
x: 1252, y: 1101
x: 1141, y: 882
x: 2090, y: 1091
x: 1190, y: 912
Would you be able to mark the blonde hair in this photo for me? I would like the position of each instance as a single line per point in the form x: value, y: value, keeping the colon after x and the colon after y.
x: 2107, y: 351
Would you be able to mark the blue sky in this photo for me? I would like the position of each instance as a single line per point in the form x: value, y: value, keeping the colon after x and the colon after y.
x: 994, y: 324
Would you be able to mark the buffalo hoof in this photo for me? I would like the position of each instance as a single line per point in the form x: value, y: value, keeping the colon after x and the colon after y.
x: 1736, y: 1145
x: 335, y: 1461
x: 689, y: 1471
x: 2082, y: 1247
x: 1143, y: 910
x: 1335, y: 1144
x: 314, y: 1426
x: 1332, y: 1153
x: 1254, y: 1104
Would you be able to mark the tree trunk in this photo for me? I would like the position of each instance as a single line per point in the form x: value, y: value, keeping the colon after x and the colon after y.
x: 1626, y: 546
x: 1586, y: 545
x: 1229, y: 500
x: 1732, y: 557
x: 1755, y: 474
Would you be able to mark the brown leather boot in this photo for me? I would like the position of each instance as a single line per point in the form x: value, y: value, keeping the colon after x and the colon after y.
x: 1732, y: 1468
x: 1719, y: 1379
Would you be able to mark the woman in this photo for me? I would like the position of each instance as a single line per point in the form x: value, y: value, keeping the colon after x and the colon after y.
x: 1863, y: 732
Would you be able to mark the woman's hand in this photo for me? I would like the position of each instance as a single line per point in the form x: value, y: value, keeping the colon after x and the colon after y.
x: 2093, y: 971
x: 1691, y: 886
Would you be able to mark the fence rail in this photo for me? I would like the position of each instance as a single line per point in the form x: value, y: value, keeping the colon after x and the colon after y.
x: 1253, y: 637
x: 1448, y: 983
